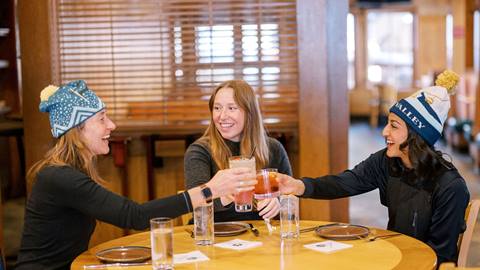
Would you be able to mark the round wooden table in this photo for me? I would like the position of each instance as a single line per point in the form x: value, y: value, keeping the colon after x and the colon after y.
x: 399, y: 252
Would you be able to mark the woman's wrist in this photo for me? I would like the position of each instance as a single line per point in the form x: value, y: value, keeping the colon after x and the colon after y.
x: 196, y: 197
x: 300, y: 187
x: 213, y: 190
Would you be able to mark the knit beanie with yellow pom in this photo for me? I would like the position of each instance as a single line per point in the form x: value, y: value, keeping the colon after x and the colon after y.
x: 69, y: 105
x: 426, y: 110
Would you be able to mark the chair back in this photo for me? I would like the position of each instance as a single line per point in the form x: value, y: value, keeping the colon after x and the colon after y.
x: 471, y: 215
x: 451, y: 266
x: 2, y: 260
x: 388, y: 96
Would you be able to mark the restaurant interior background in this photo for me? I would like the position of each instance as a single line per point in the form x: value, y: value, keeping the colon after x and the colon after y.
x: 324, y: 71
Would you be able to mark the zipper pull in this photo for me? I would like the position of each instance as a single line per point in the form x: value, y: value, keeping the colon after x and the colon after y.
x: 414, y: 219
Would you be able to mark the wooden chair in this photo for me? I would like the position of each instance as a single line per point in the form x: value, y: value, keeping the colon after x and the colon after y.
x: 365, y: 102
x: 388, y: 96
x: 451, y: 266
x: 465, y: 240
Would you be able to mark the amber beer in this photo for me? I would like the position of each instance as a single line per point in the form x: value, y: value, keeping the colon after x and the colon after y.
x: 267, y: 185
x: 243, y: 200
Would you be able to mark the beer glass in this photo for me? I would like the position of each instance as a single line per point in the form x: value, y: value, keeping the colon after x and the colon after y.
x: 267, y: 185
x: 243, y: 200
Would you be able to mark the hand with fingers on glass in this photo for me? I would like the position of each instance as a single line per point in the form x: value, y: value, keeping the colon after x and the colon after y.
x: 268, y: 208
x: 230, y: 181
x: 227, y: 199
x: 290, y: 185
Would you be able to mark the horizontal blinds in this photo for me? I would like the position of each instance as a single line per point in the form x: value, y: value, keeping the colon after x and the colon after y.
x: 156, y: 62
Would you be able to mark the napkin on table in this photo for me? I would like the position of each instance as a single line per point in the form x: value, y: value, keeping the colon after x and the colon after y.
x: 327, y: 246
x: 239, y: 244
x: 189, y: 257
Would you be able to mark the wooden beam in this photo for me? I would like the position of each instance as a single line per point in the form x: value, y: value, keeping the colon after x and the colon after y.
x: 323, y: 106
x: 34, y: 18
x: 361, y: 51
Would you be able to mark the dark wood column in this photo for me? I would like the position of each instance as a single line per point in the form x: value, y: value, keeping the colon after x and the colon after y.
x: 323, y: 108
x: 34, y: 18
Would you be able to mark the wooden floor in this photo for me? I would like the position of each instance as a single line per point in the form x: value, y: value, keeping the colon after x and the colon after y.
x: 364, y: 209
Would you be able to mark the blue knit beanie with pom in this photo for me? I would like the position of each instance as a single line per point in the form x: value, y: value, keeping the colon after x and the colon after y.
x: 69, y: 105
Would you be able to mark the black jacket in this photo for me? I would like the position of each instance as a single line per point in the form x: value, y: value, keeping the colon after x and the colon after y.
x: 433, y: 215
x: 61, y: 211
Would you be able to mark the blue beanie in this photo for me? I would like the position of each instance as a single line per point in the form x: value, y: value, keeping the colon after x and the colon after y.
x: 426, y: 110
x: 69, y: 105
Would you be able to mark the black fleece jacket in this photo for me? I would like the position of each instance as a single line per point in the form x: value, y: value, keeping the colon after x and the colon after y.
x: 434, y: 216
x: 61, y: 212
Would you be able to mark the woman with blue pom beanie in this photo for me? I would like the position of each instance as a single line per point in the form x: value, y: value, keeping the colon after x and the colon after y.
x: 67, y: 195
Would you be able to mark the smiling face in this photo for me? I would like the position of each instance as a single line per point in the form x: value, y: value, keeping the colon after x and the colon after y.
x: 228, y: 117
x: 96, y: 132
x: 395, y: 133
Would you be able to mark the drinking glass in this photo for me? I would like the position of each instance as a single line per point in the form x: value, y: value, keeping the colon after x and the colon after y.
x: 204, y: 229
x: 267, y: 185
x: 161, y: 239
x: 289, y: 217
x: 243, y: 200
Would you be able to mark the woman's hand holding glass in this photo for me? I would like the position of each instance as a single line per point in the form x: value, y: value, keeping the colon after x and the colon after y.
x: 226, y: 200
x: 268, y: 208
x: 230, y: 181
x: 290, y: 185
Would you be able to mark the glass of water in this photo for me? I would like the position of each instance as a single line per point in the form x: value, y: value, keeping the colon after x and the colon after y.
x: 289, y: 217
x: 161, y: 237
x: 203, y: 225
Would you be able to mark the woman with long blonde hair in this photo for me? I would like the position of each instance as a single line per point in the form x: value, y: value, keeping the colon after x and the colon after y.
x: 67, y: 195
x: 236, y: 128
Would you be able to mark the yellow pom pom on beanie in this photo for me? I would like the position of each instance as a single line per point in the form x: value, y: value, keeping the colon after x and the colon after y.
x: 448, y: 80
x: 47, y: 92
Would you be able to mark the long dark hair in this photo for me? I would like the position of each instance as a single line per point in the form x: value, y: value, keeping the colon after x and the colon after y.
x: 427, y: 162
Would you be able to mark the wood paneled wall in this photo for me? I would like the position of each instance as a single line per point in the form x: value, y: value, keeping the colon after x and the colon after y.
x: 361, y: 50
x: 323, y: 120
x: 431, y: 53
x: 459, y: 11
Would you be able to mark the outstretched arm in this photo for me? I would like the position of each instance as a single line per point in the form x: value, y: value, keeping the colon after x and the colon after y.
x: 366, y: 176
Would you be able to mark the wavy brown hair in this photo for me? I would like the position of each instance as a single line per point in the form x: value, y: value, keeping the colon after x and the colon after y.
x: 69, y: 150
x: 427, y: 163
x: 253, y: 136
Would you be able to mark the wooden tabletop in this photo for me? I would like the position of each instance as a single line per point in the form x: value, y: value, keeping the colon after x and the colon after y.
x: 399, y: 252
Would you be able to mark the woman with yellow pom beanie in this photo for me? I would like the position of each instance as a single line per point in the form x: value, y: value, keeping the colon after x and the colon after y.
x: 425, y: 195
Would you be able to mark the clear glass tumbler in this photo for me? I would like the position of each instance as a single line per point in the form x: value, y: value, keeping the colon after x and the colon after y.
x: 204, y: 229
x: 161, y: 237
x: 289, y: 217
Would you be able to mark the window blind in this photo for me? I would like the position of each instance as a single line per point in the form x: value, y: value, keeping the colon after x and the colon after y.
x: 155, y: 62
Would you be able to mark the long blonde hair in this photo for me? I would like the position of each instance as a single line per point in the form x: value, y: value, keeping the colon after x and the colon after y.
x: 253, y: 135
x: 69, y: 150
